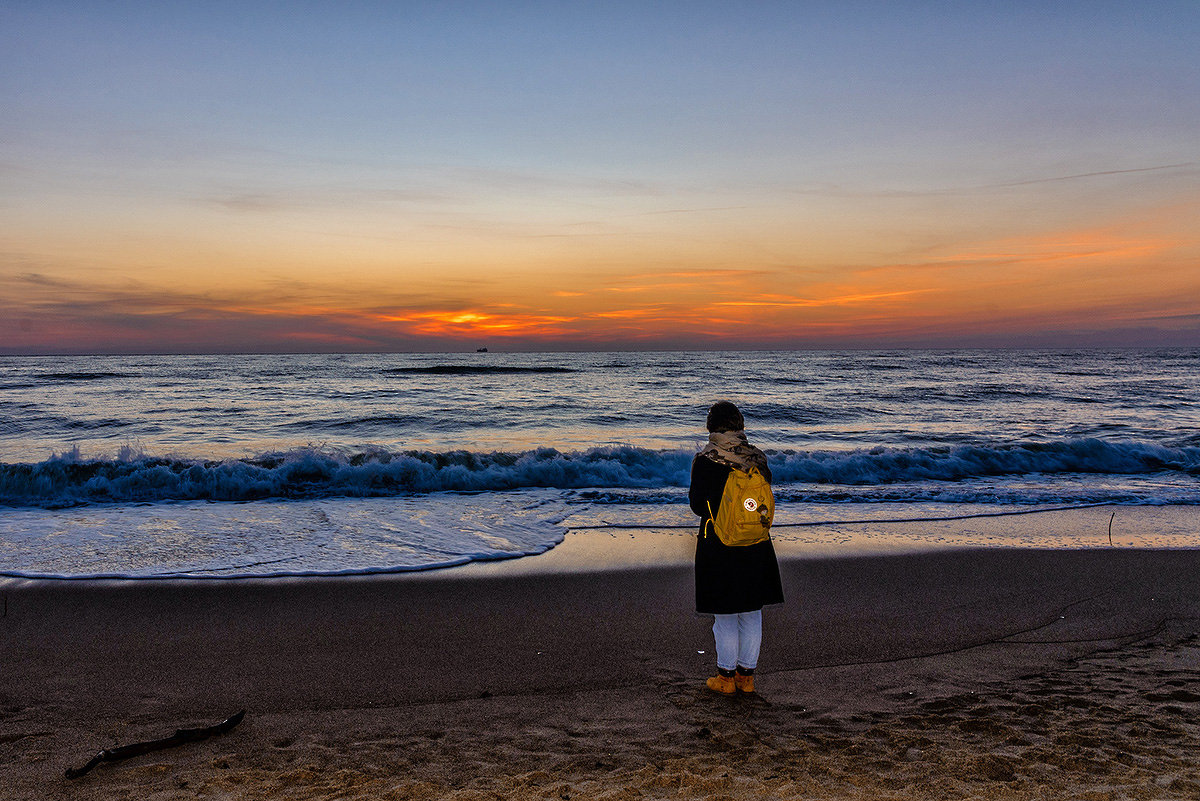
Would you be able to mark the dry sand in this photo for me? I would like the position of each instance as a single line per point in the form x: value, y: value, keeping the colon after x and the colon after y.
x: 982, y: 673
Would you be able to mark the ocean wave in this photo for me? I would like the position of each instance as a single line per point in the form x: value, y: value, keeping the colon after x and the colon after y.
x: 474, y: 369
x: 83, y: 376
x: 384, y: 421
x: 96, y: 425
x: 960, y: 462
x: 70, y: 479
x: 311, y: 473
x: 813, y: 414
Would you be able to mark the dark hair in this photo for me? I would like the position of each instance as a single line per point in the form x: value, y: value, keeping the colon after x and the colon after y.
x: 724, y: 416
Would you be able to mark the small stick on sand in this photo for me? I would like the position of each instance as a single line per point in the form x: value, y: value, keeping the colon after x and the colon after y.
x: 178, y: 738
x: 1114, y: 514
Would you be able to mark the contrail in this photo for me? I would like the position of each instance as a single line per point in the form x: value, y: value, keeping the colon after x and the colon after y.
x: 1094, y: 174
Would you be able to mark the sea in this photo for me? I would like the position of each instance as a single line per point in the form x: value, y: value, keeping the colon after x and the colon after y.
x: 231, y: 466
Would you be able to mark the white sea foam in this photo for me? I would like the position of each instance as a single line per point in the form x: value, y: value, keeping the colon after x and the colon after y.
x: 312, y: 473
x: 337, y: 536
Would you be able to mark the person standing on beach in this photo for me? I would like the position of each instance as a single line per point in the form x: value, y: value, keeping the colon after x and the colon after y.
x: 733, y: 582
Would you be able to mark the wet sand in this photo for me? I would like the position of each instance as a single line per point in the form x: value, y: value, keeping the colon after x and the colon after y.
x: 979, y: 673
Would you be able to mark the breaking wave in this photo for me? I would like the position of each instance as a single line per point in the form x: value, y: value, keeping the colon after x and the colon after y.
x: 889, y: 465
x: 311, y: 473
x: 70, y: 479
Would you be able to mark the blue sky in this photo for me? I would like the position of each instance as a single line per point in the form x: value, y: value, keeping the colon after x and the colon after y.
x: 373, y: 162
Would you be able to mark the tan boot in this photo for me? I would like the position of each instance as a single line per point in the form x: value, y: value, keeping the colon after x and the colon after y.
x: 744, y: 684
x: 721, y: 684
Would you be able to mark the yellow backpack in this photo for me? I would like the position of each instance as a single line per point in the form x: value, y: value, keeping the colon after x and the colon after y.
x: 746, y: 511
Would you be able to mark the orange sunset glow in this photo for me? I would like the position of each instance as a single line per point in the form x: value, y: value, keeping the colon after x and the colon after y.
x: 772, y: 181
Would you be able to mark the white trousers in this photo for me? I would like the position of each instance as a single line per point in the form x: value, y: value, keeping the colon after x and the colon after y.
x: 738, y: 639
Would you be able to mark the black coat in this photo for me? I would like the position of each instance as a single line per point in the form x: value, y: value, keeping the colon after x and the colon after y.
x: 729, y: 579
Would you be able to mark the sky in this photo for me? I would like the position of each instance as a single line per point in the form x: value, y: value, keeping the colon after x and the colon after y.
x: 425, y: 176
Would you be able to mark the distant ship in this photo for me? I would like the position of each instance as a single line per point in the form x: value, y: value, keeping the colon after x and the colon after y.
x: 481, y: 350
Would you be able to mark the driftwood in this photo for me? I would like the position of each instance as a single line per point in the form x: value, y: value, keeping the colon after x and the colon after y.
x: 178, y: 738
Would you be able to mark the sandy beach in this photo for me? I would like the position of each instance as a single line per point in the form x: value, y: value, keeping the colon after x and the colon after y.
x: 954, y: 673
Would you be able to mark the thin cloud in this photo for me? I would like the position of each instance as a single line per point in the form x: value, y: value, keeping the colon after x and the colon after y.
x: 688, y: 211
x: 674, y: 279
x: 1080, y: 175
x: 1172, y: 317
x: 1100, y: 245
x: 833, y: 190
x: 781, y: 301
x: 321, y: 198
x: 707, y: 274
x: 655, y: 312
x: 41, y: 280
x: 536, y: 182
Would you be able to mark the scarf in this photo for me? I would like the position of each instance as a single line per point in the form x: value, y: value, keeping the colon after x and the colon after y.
x: 731, y: 448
